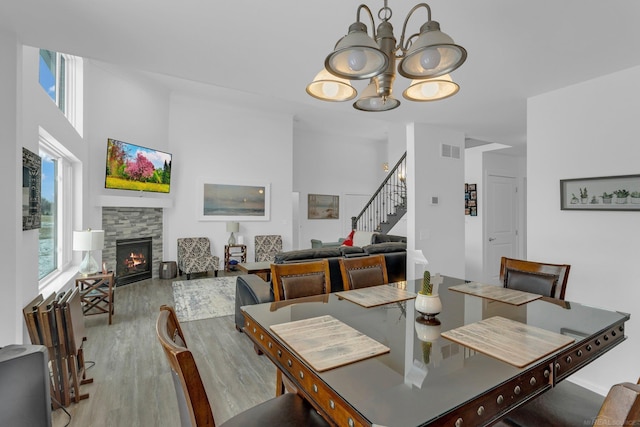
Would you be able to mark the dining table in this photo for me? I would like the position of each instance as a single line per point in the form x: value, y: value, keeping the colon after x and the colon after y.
x: 385, y: 364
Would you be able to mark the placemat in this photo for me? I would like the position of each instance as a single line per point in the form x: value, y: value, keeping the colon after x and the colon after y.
x: 374, y: 296
x: 325, y: 342
x: 507, y: 340
x: 496, y: 293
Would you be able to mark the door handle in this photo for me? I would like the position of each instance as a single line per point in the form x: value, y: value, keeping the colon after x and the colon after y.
x: 491, y: 239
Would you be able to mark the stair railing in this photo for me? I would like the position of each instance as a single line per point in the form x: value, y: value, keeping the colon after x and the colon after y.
x: 386, y: 201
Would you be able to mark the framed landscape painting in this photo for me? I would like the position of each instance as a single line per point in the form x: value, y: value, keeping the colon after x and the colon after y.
x: 228, y: 201
x: 321, y: 206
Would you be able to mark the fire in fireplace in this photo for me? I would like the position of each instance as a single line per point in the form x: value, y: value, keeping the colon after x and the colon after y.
x: 133, y: 260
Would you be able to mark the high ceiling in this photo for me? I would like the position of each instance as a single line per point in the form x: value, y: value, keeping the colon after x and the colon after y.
x: 270, y: 51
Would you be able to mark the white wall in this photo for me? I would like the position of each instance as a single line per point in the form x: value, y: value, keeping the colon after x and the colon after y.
x: 437, y: 230
x: 11, y: 178
x: 473, y: 227
x: 31, y: 107
x: 225, y: 145
x: 589, y: 130
x: 338, y: 165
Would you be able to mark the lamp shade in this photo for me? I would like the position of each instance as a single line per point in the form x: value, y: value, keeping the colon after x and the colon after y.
x: 433, y: 54
x: 327, y: 87
x: 88, y: 240
x: 431, y: 89
x: 371, y: 101
x: 233, y: 227
x: 356, y: 56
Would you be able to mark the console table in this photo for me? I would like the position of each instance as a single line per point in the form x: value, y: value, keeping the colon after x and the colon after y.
x: 237, y: 252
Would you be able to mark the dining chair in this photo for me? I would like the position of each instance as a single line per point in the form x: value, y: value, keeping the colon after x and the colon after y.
x: 297, y: 280
x: 535, y: 277
x: 362, y: 272
x: 568, y: 404
x: 300, y: 279
x: 194, y: 408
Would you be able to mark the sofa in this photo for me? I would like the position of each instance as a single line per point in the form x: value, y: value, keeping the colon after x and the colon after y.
x: 360, y: 238
x: 317, y: 243
x: 252, y: 289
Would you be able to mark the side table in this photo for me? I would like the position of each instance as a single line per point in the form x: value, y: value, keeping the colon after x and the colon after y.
x: 96, y: 293
x: 237, y: 252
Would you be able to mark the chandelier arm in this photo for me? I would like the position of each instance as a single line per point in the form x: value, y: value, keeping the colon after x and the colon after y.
x: 401, y: 45
x: 373, y: 23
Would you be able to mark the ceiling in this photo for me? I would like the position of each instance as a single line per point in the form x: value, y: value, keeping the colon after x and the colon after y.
x: 263, y: 54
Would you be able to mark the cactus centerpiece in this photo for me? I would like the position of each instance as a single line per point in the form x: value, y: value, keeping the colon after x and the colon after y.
x: 427, y: 287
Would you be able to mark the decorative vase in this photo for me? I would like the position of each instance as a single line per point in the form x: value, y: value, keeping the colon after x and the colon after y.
x: 428, y: 305
x: 427, y: 329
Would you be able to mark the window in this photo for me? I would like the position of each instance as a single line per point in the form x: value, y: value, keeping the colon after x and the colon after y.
x: 61, y: 76
x: 52, y: 76
x: 55, y: 234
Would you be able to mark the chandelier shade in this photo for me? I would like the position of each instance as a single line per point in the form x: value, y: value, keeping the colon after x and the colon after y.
x: 356, y: 56
x: 327, y: 87
x: 426, y: 58
x: 432, y: 55
x: 372, y: 101
x: 431, y: 89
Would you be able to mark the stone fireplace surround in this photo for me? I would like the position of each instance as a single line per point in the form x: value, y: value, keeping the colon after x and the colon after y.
x: 129, y: 223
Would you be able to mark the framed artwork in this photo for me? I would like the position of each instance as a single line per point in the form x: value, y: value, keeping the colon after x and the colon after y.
x: 229, y: 201
x: 321, y: 206
x: 470, y: 200
x: 31, y: 181
x: 608, y: 193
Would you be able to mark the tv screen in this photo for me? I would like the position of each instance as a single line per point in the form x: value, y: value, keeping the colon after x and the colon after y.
x: 132, y: 167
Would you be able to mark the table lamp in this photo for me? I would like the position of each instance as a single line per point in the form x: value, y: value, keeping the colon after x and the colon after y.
x: 232, y: 227
x: 88, y: 240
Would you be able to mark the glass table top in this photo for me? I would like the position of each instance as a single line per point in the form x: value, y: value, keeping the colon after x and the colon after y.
x: 425, y: 375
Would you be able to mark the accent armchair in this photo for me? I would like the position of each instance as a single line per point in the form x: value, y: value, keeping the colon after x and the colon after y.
x: 194, y: 256
x: 267, y: 246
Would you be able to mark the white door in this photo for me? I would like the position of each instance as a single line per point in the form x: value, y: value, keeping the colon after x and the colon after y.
x: 501, y: 224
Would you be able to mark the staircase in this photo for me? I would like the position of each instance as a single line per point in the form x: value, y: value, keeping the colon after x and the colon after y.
x: 387, y: 205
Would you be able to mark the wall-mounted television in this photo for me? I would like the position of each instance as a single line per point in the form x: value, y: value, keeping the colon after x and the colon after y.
x: 132, y: 167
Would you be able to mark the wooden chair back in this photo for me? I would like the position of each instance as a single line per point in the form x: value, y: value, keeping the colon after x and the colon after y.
x: 193, y: 403
x: 362, y: 272
x: 621, y: 407
x: 301, y: 279
x: 536, y: 277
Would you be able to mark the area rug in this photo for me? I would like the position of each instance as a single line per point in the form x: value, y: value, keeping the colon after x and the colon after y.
x: 199, y: 299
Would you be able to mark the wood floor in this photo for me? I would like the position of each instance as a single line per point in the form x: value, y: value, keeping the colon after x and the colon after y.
x: 132, y: 384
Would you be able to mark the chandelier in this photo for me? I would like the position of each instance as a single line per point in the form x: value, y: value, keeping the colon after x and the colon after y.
x: 427, y: 58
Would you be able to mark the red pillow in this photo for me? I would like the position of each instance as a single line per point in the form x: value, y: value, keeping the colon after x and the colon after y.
x: 349, y: 240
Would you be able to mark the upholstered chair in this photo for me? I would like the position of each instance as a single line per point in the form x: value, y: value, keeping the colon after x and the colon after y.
x: 194, y: 256
x: 362, y: 272
x: 545, y: 279
x: 298, y: 280
x: 267, y: 246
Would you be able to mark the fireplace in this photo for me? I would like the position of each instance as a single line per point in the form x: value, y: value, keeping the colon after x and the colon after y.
x: 134, y: 259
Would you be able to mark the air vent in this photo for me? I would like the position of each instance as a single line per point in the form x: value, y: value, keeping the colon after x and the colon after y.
x: 451, y: 151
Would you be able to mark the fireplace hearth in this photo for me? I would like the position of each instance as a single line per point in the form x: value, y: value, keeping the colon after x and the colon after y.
x: 134, y: 259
